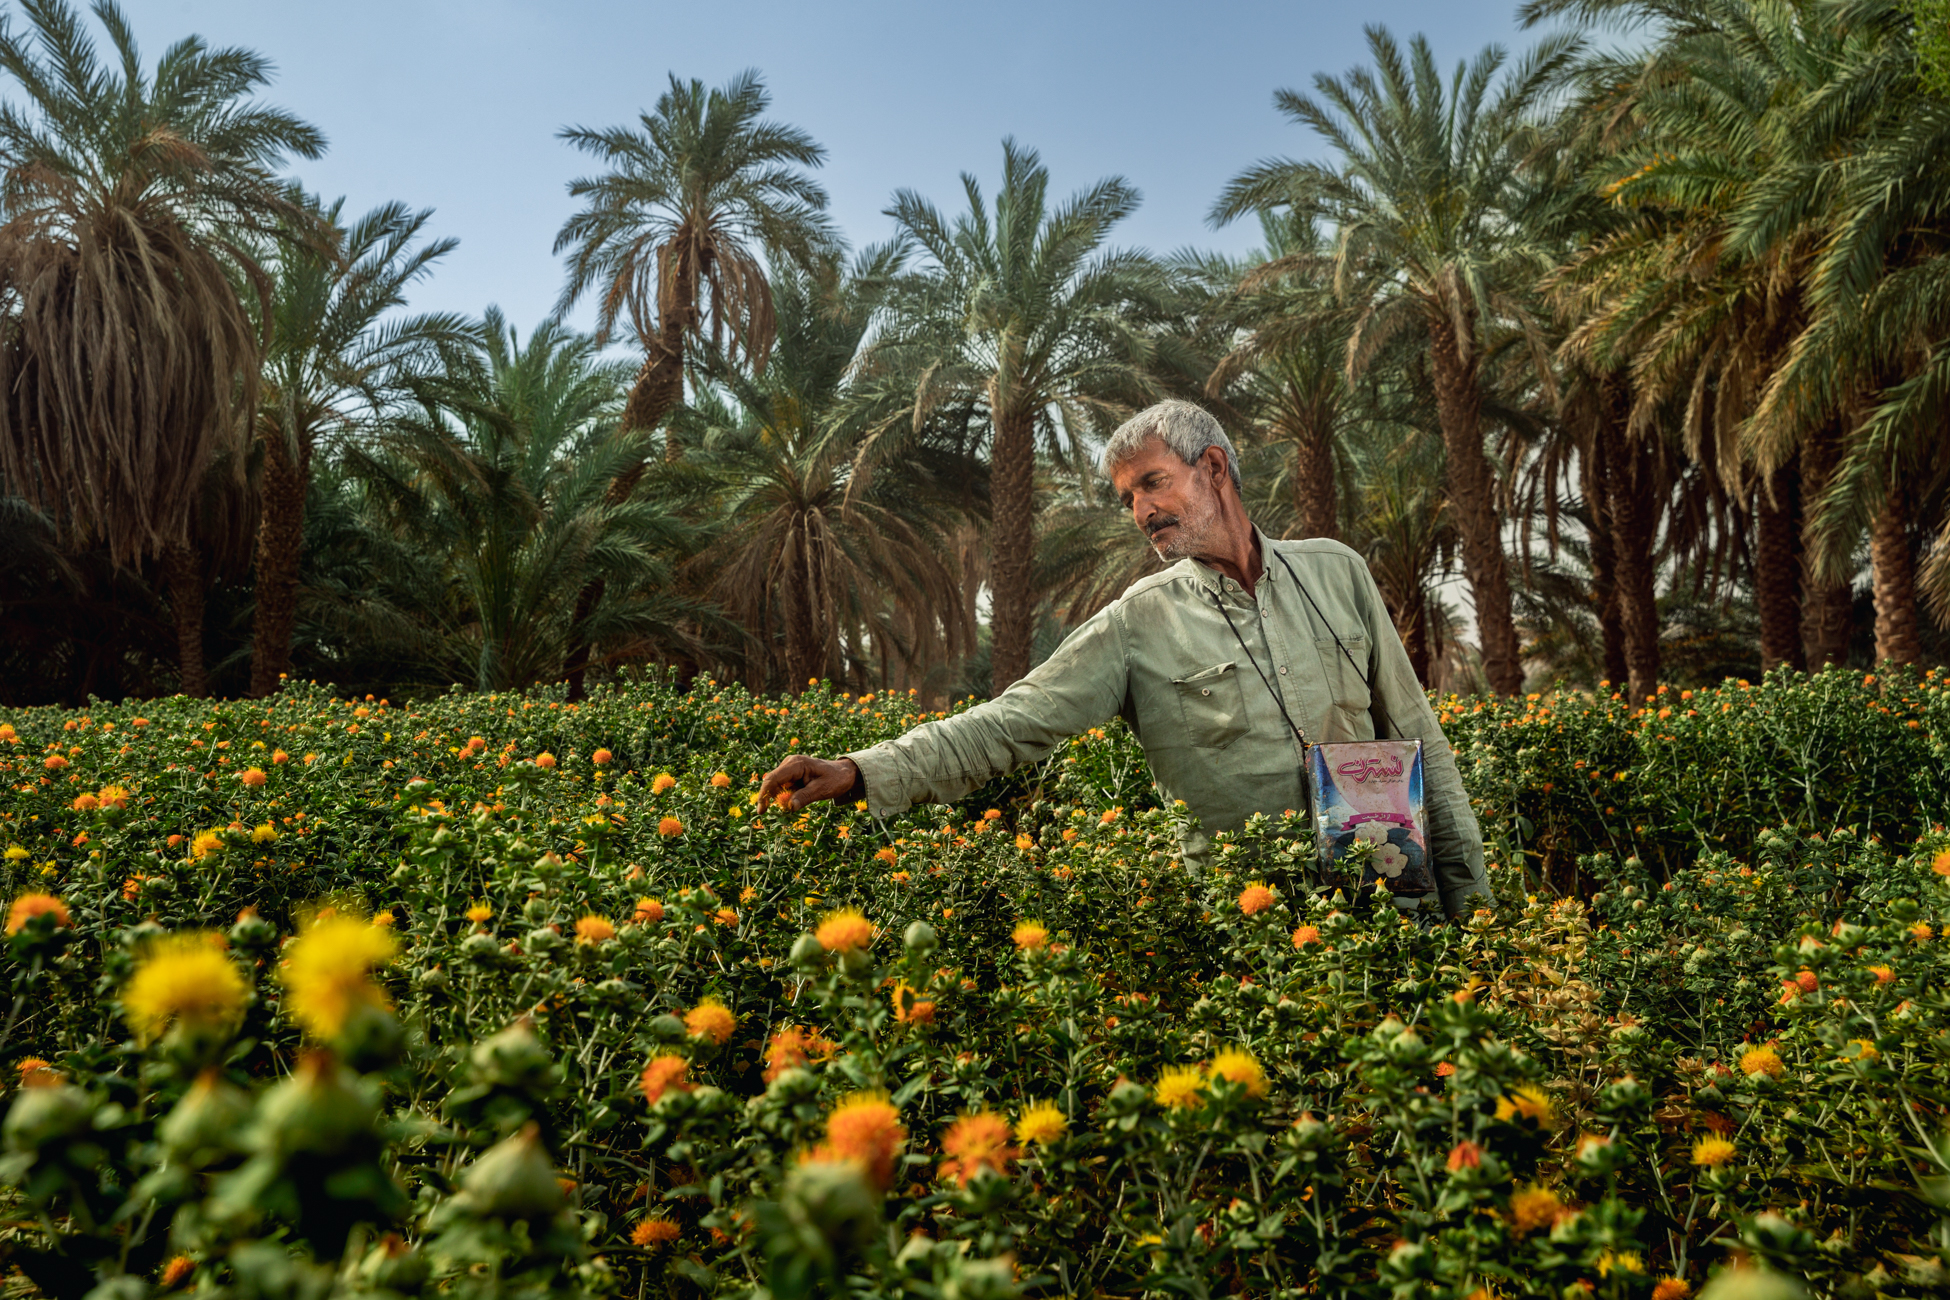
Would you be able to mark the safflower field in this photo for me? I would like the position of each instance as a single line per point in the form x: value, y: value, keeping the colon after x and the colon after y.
x: 492, y: 995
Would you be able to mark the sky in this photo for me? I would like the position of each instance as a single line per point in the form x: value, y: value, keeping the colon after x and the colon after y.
x: 455, y: 105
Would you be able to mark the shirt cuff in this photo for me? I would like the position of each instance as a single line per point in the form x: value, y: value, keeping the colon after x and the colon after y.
x: 879, y: 783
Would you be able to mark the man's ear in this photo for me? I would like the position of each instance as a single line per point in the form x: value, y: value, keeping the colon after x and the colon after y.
x: 1216, y: 466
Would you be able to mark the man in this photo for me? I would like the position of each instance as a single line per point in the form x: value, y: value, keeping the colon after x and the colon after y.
x: 1207, y: 661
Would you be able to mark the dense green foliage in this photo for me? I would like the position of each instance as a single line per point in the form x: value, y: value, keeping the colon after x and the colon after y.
x: 1736, y: 1049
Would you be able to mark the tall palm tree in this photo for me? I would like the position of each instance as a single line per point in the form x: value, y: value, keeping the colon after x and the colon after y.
x: 1421, y: 193
x: 1020, y: 312
x: 1865, y: 172
x: 672, y: 233
x: 1703, y: 290
x: 338, y: 360
x: 827, y: 557
x: 1285, y: 364
x: 129, y: 359
x: 672, y: 236
x: 504, y: 477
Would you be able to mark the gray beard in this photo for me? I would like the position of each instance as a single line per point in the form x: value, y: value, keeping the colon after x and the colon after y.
x: 1188, y: 542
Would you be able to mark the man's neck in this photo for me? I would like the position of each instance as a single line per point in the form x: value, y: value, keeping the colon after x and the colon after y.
x: 1242, y: 560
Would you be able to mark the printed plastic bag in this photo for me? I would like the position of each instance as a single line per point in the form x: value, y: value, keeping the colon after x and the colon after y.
x: 1367, y: 807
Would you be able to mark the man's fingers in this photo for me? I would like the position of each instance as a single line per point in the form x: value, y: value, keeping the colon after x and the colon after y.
x: 779, y: 779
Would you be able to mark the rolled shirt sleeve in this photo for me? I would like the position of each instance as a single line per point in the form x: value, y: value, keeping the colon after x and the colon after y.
x: 1080, y: 686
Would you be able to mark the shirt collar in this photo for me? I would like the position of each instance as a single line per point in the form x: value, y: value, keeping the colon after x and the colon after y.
x: 1212, y: 580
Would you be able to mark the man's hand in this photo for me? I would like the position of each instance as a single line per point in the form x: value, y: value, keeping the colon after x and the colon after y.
x: 802, y: 781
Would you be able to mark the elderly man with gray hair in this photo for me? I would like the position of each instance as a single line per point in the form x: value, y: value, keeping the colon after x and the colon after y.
x: 1214, y: 663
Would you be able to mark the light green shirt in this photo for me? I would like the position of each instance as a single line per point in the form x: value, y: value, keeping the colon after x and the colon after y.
x: 1163, y: 659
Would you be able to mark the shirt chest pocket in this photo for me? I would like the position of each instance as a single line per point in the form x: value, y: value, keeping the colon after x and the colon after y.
x: 1214, y: 706
x: 1350, y: 692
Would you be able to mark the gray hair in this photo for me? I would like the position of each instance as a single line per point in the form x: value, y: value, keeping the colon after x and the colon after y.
x: 1187, y: 429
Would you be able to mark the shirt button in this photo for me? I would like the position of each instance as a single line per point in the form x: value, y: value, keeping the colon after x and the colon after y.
x: 1205, y: 692
x: 1282, y: 670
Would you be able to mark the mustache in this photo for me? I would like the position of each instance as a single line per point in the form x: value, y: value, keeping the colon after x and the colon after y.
x: 1152, y: 527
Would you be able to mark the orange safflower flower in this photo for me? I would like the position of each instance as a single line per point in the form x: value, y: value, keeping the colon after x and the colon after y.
x: 1712, y: 1152
x: 1029, y: 936
x: 661, y: 782
x: 844, y: 930
x: 1255, y: 898
x: 866, y: 1129
x: 253, y: 777
x: 1534, y: 1208
x: 649, y: 911
x: 1762, y: 1060
x: 670, y: 826
x: 788, y: 1049
x: 909, y: 1007
x: 1305, y: 935
x: 655, y: 1232
x: 664, y: 1073
x: 594, y: 929
x: 28, y: 906
x: 974, y: 1143
x: 710, y: 1020
x: 601, y: 758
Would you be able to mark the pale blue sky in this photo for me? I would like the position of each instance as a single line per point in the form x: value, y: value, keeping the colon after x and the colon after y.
x: 454, y: 104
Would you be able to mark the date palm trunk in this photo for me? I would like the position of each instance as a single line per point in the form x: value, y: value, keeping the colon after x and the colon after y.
x: 1635, y: 526
x: 659, y: 387
x: 1777, y: 568
x: 1413, y: 626
x: 1892, y: 561
x: 1316, y: 491
x: 1472, y: 491
x: 183, y: 574
x: 805, y: 648
x: 280, y: 551
x: 1828, y: 607
x: 1012, y: 486
x: 1604, y: 562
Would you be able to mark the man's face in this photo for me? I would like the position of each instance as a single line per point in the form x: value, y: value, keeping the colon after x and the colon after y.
x: 1174, y: 503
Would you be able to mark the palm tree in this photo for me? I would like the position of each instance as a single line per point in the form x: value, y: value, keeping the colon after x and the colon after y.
x: 1422, y: 195
x: 1285, y: 363
x: 1865, y: 172
x: 129, y: 359
x: 337, y: 362
x: 1726, y: 171
x: 826, y: 556
x: 1401, y: 525
x: 504, y: 477
x: 1020, y: 313
x: 672, y: 235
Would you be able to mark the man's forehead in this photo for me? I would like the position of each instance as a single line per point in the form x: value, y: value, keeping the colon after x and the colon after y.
x: 1152, y: 455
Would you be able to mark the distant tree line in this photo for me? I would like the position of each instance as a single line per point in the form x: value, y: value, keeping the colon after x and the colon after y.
x: 1626, y: 360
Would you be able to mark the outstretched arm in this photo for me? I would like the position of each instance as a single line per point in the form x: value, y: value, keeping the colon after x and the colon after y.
x: 1078, y: 687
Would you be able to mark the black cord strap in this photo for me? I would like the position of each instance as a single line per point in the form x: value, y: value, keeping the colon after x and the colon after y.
x: 1373, y: 704
x: 1301, y: 736
x: 1298, y: 734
